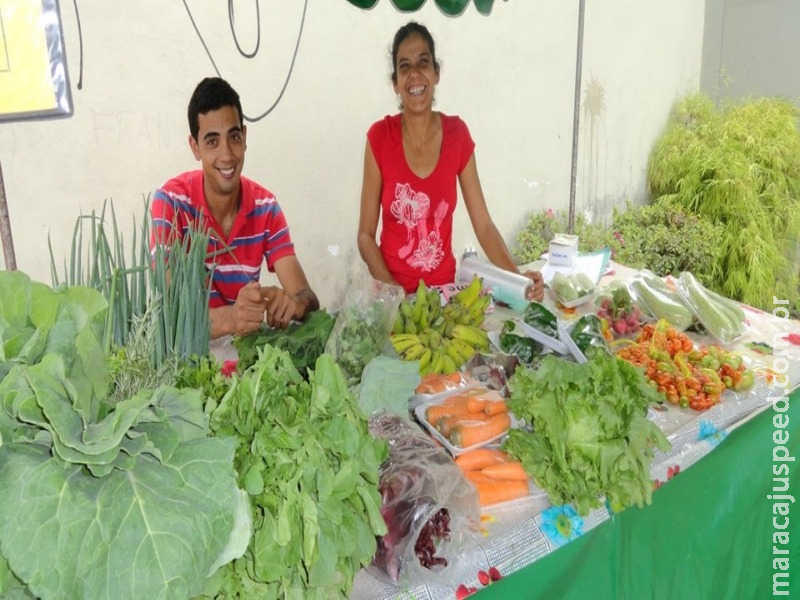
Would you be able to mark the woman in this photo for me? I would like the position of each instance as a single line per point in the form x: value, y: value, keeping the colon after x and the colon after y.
x: 412, y: 161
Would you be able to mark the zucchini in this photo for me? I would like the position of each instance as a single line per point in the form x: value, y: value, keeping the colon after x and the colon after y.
x: 716, y: 315
x: 660, y: 301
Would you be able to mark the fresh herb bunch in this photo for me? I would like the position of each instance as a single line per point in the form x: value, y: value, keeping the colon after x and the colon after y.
x: 738, y: 166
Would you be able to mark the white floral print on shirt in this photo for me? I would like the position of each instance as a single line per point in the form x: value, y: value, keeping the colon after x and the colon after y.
x: 411, y: 209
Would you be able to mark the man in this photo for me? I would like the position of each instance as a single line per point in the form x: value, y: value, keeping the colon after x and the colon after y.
x: 243, y: 219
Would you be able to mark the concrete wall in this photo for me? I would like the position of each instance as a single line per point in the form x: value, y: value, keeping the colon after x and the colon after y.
x: 751, y: 48
x: 510, y: 75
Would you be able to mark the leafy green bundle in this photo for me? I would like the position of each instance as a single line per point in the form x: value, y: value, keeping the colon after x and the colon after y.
x: 591, y: 437
x: 303, y: 341
x: 310, y: 466
x: 93, y: 495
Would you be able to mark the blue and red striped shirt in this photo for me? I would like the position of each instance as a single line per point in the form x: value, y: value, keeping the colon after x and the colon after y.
x: 259, y: 232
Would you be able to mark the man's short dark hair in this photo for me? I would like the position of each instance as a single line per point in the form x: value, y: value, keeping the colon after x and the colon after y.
x: 210, y: 94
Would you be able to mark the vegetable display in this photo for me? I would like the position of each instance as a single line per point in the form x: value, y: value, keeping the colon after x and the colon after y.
x: 685, y: 376
x: 83, y: 482
x: 591, y: 437
x: 310, y: 467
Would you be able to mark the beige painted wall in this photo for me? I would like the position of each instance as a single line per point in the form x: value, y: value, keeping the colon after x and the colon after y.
x: 510, y: 76
x: 750, y: 49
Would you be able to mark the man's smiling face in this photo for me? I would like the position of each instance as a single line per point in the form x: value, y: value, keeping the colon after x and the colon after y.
x: 220, y: 147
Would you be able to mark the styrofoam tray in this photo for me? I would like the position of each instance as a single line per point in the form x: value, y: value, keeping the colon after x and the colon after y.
x: 419, y: 411
x: 578, y: 301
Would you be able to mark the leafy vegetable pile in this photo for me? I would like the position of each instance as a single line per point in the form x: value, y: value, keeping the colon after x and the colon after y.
x: 591, y: 437
x: 359, y: 335
x: 310, y: 466
x: 93, y: 496
x: 303, y: 341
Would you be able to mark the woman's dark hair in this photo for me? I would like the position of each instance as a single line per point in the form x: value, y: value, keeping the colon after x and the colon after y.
x: 210, y: 94
x: 407, y: 30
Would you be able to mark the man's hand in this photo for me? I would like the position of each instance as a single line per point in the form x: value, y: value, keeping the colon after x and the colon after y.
x: 281, y: 307
x: 248, y: 310
x: 535, y: 291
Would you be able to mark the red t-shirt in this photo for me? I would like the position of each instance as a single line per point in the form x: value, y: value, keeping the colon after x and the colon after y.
x: 417, y: 212
x: 259, y: 233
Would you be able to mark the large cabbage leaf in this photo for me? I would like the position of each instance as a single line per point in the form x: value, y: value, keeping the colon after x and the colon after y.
x: 153, y: 531
x: 130, y: 500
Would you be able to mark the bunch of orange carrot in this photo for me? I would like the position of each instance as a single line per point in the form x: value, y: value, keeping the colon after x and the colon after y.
x: 496, y: 476
x: 471, y: 417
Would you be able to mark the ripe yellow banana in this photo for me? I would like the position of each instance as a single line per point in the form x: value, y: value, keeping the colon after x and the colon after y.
x: 448, y: 364
x: 413, y: 352
x: 478, y: 308
x: 470, y: 293
x: 474, y: 336
x: 402, y: 341
x: 464, y: 350
x: 425, y: 358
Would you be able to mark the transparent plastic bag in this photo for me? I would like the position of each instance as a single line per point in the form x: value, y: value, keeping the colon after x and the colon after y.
x: 363, y: 324
x: 428, y: 505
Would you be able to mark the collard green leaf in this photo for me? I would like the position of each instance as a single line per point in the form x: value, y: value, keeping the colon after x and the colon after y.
x: 129, y: 535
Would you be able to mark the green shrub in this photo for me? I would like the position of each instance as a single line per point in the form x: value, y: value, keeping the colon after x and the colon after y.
x: 540, y: 227
x: 666, y: 240
x: 738, y: 166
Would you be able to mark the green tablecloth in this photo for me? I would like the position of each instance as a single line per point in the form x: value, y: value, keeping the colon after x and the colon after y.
x: 707, y: 534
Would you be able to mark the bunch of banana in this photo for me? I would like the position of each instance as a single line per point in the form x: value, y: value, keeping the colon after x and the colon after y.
x: 441, y: 338
x: 419, y: 312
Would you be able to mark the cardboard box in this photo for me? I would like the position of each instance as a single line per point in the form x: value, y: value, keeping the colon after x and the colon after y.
x: 563, y: 249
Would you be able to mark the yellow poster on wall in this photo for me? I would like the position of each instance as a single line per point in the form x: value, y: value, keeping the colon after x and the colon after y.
x: 33, y: 79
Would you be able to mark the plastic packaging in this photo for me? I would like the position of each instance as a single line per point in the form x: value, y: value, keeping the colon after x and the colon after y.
x: 428, y: 505
x: 506, y: 287
x: 363, y: 324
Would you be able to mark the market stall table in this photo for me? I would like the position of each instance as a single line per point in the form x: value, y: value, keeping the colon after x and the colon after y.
x: 706, y: 535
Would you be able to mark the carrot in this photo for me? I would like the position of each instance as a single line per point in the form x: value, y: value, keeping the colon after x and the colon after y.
x: 493, y: 491
x: 436, y: 383
x: 485, y: 394
x: 434, y: 412
x: 469, y: 434
x: 479, y: 458
x: 509, y: 470
x: 445, y: 425
x: 475, y: 404
x: 495, y: 407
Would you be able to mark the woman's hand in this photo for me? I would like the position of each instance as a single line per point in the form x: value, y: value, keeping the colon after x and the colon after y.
x: 535, y: 291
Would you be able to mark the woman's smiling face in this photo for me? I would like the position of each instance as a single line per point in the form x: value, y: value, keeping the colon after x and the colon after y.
x: 416, y: 73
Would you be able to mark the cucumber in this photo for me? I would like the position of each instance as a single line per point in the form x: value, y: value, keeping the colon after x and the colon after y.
x: 732, y: 305
x: 660, y: 301
x: 584, y: 283
x: 715, y: 315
